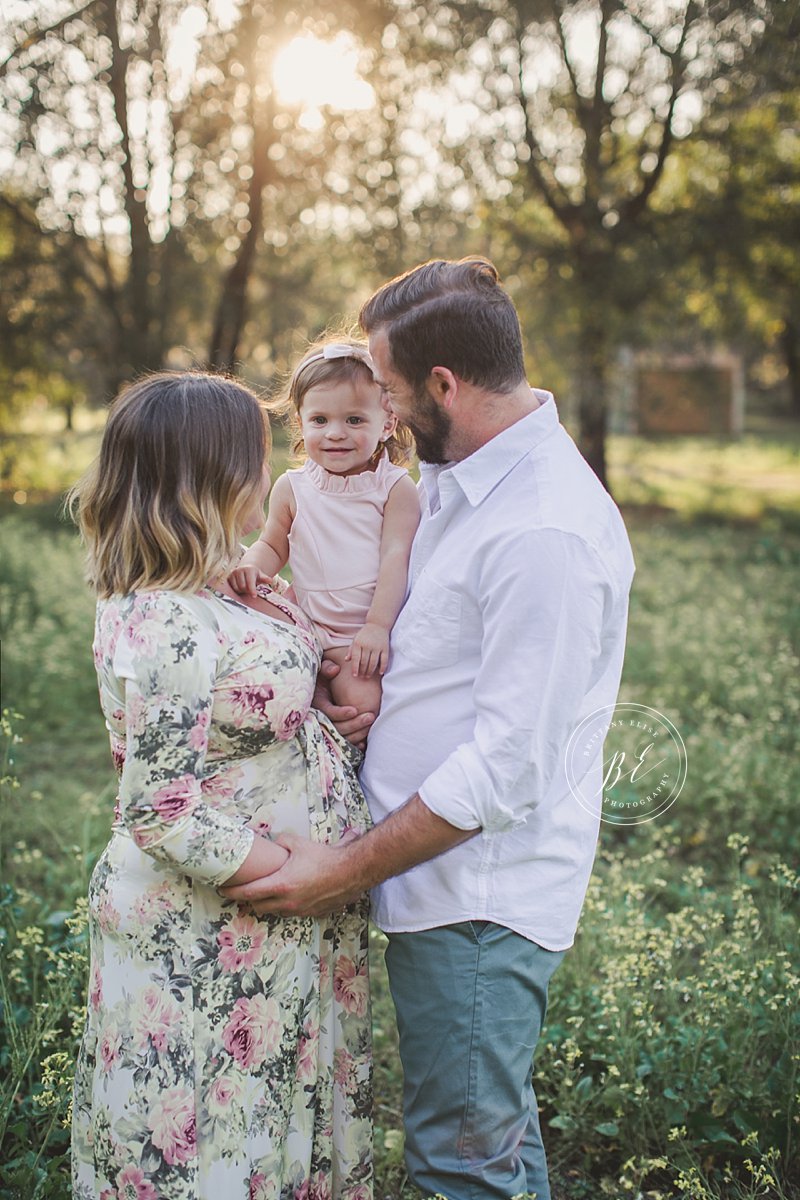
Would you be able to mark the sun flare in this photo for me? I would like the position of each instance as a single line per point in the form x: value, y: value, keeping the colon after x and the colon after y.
x: 315, y: 74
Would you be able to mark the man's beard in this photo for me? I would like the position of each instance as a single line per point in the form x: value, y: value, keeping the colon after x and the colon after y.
x: 431, y: 428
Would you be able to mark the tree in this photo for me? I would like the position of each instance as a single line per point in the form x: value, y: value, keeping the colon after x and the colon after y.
x: 151, y: 136
x: 738, y: 213
x: 593, y: 95
x: 99, y: 104
x: 255, y: 135
x: 340, y: 183
x: 52, y: 329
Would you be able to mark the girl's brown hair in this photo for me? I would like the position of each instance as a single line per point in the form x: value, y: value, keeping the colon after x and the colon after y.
x: 314, y: 371
x: 180, y: 464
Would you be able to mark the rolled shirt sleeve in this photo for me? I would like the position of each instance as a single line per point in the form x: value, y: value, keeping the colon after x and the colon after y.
x: 167, y: 662
x: 542, y: 599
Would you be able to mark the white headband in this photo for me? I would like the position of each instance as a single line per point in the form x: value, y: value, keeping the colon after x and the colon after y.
x: 341, y: 350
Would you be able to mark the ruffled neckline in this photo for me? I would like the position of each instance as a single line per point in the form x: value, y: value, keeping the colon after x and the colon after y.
x: 327, y: 481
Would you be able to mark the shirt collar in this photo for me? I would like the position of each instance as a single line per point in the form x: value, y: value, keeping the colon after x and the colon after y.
x: 483, y: 470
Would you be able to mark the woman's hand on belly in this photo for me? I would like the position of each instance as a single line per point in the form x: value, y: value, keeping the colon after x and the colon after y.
x: 316, y: 880
x: 264, y: 859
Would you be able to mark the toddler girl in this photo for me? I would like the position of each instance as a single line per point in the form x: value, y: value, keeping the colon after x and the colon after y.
x: 345, y: 520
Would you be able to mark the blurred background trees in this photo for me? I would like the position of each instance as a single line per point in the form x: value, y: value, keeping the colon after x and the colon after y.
x: 209, y: 181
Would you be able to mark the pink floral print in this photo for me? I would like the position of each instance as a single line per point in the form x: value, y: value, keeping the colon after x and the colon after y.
x: 240, y: 943
x: 172, y: 1121
x: 175, y: 798
x: 351, y: 986
x: 132, y: 1185
x: 203, y: 1070
x: 156, y: 1015
x: 223, y: 1094
x: 110, y: 1046
x: 253, y: 1031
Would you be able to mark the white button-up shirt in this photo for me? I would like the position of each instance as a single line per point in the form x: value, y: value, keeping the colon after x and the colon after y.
x: 512, y: 633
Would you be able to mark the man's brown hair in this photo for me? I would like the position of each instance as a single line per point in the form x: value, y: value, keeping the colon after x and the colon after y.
x: 454, y: 315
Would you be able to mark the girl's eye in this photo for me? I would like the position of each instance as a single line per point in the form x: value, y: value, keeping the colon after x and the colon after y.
x: 317, y: 420
x: 354, y: 420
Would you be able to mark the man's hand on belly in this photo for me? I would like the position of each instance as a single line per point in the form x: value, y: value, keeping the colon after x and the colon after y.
x: 317, y: 880
x: 351, y: 724
x: 314, y: 881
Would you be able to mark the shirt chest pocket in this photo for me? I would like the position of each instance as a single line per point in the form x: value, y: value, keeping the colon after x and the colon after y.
x: 428, y: 630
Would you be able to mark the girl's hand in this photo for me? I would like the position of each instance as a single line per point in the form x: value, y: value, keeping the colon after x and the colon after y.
x: 370, y: 650
x: 246, y: 578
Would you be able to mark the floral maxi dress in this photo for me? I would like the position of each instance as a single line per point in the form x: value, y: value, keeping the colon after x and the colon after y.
x: 226, y: 1055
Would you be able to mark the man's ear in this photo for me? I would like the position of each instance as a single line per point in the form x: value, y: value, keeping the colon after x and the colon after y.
x: 389, y: 426
x: 443, y: 386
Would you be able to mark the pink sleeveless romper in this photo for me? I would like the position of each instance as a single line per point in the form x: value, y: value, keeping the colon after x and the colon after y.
x: 334, y: 544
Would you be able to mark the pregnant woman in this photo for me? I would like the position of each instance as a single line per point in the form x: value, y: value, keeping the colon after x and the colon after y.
x: 225, y: 1054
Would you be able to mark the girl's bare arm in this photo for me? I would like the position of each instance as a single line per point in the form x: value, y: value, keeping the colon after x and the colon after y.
x: 370, y: 649
x: 270, y: 552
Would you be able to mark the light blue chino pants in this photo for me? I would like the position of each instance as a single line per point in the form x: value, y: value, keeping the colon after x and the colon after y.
x: 470, y: 1001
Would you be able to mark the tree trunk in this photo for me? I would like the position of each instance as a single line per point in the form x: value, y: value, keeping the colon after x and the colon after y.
x: 137, y: 287
x: 790, y: 343
x: 592, y: 371
x: 232, y: 306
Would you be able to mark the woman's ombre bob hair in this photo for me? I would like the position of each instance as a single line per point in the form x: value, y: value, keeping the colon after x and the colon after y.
x: 180, y: 466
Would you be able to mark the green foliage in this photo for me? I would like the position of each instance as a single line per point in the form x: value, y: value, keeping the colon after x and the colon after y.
x: 43, y: 968
x: 597, y: 212
x: 60, y: 757
x: 43, y: 973
x: 668, y: 1068
x: 55, y: 329
x: 41, y: 456
x: 674, y: 1036
x: 46, y: 610
x: 669, y: 1064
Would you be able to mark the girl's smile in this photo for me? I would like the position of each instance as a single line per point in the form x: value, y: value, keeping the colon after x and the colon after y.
x: 344, y: 424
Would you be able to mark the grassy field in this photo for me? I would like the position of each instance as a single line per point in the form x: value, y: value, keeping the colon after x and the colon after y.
x: 669, y: 1064
x: 753, y: 479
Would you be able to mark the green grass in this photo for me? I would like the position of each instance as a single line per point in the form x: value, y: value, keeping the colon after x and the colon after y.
x: 669, y: 1063
x: 41, y: 457
x: 748, y: 481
